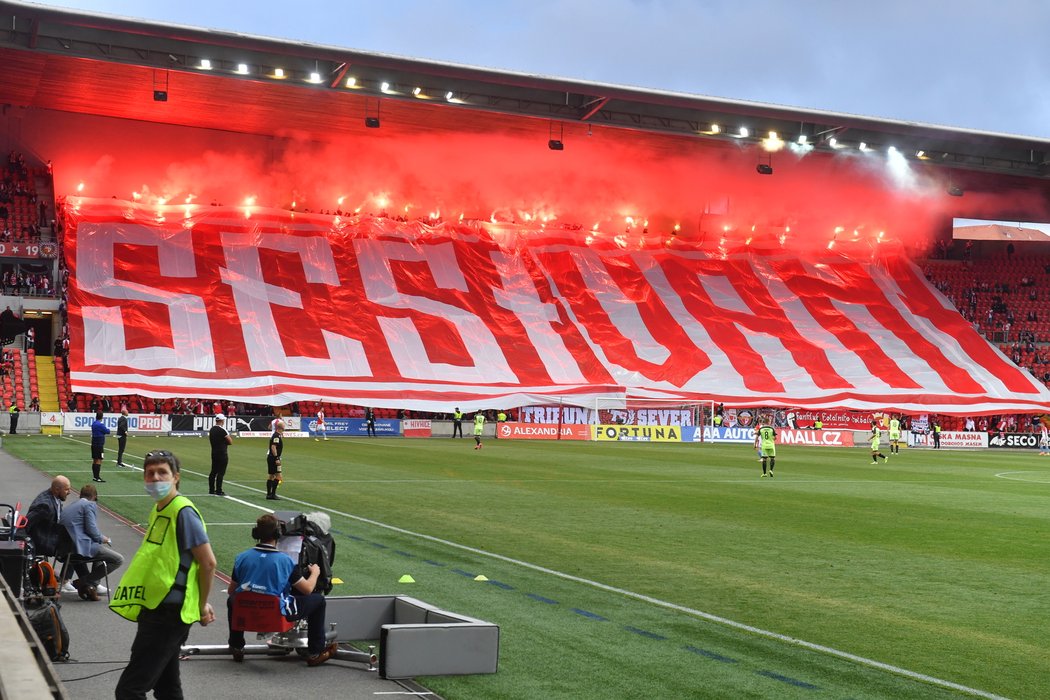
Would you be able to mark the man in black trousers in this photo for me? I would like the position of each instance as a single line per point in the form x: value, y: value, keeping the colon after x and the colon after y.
x: 122, y: 436
x: 220, y: 441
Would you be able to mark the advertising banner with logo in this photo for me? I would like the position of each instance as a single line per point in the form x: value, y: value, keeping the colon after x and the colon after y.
x: 1026, y: 441
x: 637, y: 433
x: 949, y: 438
x: 189, y: 424
x: 387, y: 427
x: 724, y: 434
x: 815, y: 438
x: 137, y: 422
x: 537, y: 431
x: 414, y: 428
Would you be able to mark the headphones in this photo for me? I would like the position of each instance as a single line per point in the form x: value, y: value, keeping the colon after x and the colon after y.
x: 265, y: 532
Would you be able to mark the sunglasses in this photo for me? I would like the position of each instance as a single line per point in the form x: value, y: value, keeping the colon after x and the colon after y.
x: 155, y: 456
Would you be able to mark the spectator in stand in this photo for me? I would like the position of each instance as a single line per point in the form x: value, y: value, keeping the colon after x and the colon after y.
x: 969, y: 424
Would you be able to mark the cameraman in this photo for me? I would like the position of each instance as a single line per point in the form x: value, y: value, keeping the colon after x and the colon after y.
x: 265, y: 569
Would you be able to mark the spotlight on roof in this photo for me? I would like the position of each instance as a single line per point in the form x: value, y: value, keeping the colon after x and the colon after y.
x: 385, y: 86
x: 372, y: 122
x: 773, y: 142
x: 864, y: 147
x: 764, y: 169
x: 314, y: 78
x: 417, y: 91
x: 351, y: 81
x: 160, y: 95
x: 556, y: 145
x: 956, y: 191
x: 205, y: 64
x: 278, y: 72
x: 716, y: 129
x: 921, y: 155
x: 744, y: 132
x: 242, y: 69
x: 449, y: 95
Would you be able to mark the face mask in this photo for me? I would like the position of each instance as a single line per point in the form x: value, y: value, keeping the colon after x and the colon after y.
x: 159, y: 490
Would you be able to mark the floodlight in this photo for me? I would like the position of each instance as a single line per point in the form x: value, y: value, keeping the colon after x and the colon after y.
x: 556, y: 145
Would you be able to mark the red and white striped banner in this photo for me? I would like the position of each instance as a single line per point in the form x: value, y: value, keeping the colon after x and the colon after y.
x: 271, y: 306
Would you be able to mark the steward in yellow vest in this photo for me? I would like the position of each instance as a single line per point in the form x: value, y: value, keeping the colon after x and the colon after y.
x: 166, y: 587
x: 151, y: 574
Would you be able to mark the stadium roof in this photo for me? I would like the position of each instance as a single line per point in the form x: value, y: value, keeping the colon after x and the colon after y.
x: 127, y: 68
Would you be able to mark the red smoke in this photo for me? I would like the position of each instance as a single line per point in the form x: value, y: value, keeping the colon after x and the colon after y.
x: 597, y: 180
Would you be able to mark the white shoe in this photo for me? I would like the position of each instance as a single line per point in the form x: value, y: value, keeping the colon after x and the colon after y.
x: 101, y: 589
x: 68, y: 587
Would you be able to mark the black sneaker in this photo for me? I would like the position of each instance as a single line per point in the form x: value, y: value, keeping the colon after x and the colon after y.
x: 274, y: 497
x: 99, y: 479
x: 220, y: 493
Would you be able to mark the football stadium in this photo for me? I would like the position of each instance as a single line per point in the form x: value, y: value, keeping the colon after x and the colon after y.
x: 626, y: 393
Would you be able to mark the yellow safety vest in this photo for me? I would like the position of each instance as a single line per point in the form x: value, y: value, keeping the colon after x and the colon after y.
x: 152, y: 571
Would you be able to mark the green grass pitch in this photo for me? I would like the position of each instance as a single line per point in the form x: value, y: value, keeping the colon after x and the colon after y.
x: 605, y: 562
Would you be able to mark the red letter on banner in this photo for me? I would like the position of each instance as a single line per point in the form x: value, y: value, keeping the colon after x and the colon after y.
x: 104, y: 326
x: 624, y: 320
x: 254, y: 298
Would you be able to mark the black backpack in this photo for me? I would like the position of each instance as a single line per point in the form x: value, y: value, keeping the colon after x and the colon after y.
x: 46, y: 619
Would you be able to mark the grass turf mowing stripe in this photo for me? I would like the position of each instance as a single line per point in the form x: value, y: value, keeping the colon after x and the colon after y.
x: 790, y: 681
x: 710, y: 654
x: 590, y: 615
x: 644, y: 633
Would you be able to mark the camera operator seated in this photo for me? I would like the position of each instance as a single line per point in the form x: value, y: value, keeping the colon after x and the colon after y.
x: 265, y: 569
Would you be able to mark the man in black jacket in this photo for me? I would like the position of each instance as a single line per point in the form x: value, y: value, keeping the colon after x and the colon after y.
x: 122, y: 436
x: 42, y: 518
x: 220, y: 441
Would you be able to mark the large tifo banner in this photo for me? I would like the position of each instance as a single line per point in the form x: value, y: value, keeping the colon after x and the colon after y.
x: 271, y: 306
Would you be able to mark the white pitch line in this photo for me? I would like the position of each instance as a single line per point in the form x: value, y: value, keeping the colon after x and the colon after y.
x: 820, y: 648
x: 1044, y: 480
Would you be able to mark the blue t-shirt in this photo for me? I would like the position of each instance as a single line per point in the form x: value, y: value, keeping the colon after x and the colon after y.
x: 265, y: 569
x: 99, y: 431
